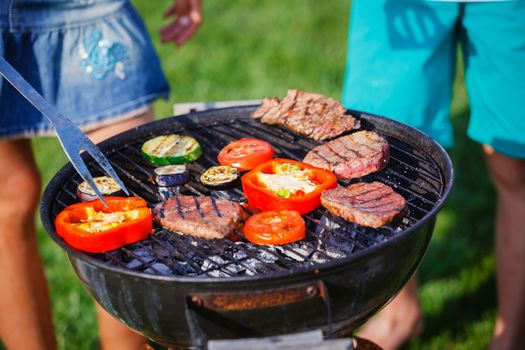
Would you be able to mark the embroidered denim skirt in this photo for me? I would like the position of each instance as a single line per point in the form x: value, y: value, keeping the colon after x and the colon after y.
x: 92, y: 59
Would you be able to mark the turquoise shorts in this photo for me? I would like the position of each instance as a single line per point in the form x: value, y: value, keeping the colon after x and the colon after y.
x: 401, y: 64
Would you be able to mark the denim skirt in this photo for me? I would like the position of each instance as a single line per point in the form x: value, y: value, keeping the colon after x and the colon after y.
x: 92, y: 59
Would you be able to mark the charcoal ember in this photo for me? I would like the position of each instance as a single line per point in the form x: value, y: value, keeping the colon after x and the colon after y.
x: 329, y: 222
x: 319, y: 258
x: 333, y: 251
x: 225, y: 266
x: 363, y: 239
x: 381, y: 235
x: 182, y: 267
x: 143, y: 253
x: 166, y: 193
x: 212, y: 262
x: 250, y: 273
x: 242, y: 245
x: 335, y: 247
x: 256, y: 265
x: 115, y: 255
x: 218, y: 267
x: 242, y: 272
x: 212, y: 273
x: 333, y: 238
x: 325, y: 229
x: 303, y: 248
x: 240, y: 255
x: 140, y: 258
x: 290, y: 253
x: 342, y: 226
x: 161, y: 250
x: 159, y: 269
x: 217, y: 273
x: 135, y: 264
x: 234, y: 194
x: 346, y: 238
x: 180, y: 261
x: 267, y: 255
x: 234, y: 269
x: 253, y: 267
x: 227, y: 248
x: 405, y: 222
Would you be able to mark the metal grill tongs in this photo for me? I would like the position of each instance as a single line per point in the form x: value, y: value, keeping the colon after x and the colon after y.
x: 72, y: 139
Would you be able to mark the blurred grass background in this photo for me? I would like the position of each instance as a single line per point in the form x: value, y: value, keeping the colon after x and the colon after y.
x: 255, y: 48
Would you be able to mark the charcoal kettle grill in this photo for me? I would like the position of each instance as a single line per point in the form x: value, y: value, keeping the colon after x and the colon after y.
x: 181, y: 291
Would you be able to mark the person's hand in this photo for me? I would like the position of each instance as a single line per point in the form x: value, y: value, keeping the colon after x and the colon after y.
x: 187, y: 17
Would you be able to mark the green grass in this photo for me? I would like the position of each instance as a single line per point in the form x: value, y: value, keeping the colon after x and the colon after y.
x: 254, y: 48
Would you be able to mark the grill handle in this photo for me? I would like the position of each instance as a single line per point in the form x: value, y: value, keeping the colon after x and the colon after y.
x: 235, y: 301
x: 216, y: 315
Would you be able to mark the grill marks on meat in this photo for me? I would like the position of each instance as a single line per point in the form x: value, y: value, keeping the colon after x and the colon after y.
x: 200, y: 216
x: 267, y: 104
x: 351, y: 156
x: 368, y: 204
x: 313, y: 115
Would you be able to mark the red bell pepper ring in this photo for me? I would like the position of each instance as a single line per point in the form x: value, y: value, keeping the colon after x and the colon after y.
x: 92, y: 227
x: 266, y: 199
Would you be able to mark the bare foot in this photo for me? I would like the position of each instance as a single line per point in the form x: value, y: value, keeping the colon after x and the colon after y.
x: 397, y: 322
x: 506, y: 336
x: 497, y: 336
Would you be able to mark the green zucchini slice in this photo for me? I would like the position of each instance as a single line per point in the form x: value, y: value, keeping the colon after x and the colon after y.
x: 171, y: 149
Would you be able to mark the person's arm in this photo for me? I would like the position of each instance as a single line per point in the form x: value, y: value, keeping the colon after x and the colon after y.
x: 187, y: 17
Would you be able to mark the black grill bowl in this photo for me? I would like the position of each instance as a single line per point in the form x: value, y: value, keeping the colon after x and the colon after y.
x: 185, y: 310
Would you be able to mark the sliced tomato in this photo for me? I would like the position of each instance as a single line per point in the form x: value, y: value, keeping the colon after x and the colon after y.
x: 275, y: 227
x: 246, y: 153
x: 92, y: 227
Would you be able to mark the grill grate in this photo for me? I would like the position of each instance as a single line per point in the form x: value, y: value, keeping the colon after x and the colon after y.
x: 412, y: 173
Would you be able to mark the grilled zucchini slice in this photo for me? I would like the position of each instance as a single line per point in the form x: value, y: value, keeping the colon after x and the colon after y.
x: 171, y: 149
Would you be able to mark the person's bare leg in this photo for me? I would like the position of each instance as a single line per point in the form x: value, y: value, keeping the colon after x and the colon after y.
x: 508, y: 175
x: 113, y: 334
x: 398, y: 321
x: 25, y: 311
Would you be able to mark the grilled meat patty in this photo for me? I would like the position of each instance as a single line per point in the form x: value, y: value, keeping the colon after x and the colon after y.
x: 199, y: 216
x: 351, y: 156
x: 368, y: 204
x: 313, y: 115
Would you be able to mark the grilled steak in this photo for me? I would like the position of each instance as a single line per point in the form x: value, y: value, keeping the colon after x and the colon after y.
x: 267, y: 104
x: 368, y: 204
x: 351, y: 156
x: 313, y: 115
x: 199, y: 216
